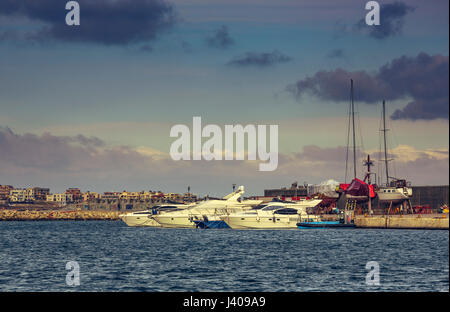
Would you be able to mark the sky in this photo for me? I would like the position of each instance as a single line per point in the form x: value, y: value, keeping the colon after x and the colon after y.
x: 91, y: 106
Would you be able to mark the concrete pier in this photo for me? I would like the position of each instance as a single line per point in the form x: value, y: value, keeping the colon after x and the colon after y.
x: 417, y: 221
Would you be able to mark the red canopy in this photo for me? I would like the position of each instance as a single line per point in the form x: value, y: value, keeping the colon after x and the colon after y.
x: 358, y: 188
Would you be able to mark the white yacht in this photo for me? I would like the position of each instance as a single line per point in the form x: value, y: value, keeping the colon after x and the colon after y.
x: 210, y: 209
x: 144, y: 217
x: 274, y: 215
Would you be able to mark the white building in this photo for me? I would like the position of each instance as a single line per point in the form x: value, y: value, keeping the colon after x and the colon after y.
x: 20, y: 196
x: 62, y: 198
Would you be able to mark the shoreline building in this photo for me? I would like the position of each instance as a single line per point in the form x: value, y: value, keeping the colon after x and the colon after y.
x: 4, y: 191
x: 62, y: 198
x: 294, y: 192
x: 76, y: 194
x: 38, y: 193
x: 20, y: 196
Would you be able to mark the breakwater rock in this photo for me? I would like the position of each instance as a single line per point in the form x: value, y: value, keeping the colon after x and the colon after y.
x: 47, y: 215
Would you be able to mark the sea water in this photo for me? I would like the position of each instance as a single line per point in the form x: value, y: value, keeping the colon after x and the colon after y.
x: 114, y: 257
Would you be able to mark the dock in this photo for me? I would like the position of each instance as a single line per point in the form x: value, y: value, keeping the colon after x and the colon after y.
x: 408, y: 221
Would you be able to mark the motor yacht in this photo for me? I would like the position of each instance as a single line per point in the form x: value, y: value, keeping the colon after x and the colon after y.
x: 207, y: 210
x: 274, y: 215
x: 144, y: 217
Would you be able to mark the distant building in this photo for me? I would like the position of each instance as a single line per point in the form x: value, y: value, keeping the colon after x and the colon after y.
x: 110, y: 195
x: 433, y: 196
x: 4, y: 191
x: 189, y: 197
x: 293, y: 191
x: 20, y: 196
x: 62, y: 198
x: 129, y: 195
x: 76, y: 193
x: 38, y: 193
x: 146, y: 195
x: 90, y: 196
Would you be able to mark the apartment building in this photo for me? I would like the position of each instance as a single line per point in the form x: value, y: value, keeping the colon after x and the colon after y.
x: 62, y: 198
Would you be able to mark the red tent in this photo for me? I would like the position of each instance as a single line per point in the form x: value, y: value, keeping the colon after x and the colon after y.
x: 359, y: 188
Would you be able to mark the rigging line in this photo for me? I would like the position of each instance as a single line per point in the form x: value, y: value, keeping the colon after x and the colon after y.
x: 396, y: 144
x: 348, y: 140
x: 379, y: 158
x: 353, y: 129
x: 360, y: 129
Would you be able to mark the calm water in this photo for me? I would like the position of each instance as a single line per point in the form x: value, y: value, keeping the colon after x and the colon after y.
x: 114, y: 257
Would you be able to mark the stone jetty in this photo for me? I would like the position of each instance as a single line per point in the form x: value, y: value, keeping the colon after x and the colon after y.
x: 48, y: 215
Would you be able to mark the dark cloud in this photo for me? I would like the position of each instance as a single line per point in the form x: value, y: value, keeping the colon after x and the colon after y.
x: 391, y: 20
x: 258, y: 59
x: 220, y: 39
x: 423, y: 78
x: 106, y: 22
x: 336, y: 53
x: 146, y: 48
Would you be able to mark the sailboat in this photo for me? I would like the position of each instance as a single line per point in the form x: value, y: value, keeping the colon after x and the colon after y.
x: 358, y: 190
x: 395, y: 190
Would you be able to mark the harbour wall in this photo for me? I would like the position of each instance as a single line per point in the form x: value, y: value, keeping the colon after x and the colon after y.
x: 433, y: 196
x: 49, y: 215
x: 418, y: 221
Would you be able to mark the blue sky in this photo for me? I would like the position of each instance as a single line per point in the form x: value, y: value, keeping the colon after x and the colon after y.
x: 128, y: 96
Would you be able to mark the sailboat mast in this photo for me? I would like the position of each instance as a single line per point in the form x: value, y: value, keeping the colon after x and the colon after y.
x: 353, y: 128
x: 385, y: 147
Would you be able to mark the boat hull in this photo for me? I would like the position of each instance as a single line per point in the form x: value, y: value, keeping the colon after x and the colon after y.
x: 323, y: 225
x: 211, y: 224
x: 173, y: 221
x: 142, y: 220
x: 392, y: 197
x: 253, y: 222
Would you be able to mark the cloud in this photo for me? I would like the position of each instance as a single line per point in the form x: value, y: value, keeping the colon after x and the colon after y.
x: 118, y: 22
x: 423, y: 78
x: 391, y: 21
x: 59, y: 162
x: 336, y: 53
x: 258, y: 59
x: 221, y: 39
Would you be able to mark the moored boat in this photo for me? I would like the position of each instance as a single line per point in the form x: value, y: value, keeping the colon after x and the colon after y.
x: 210, y: 209
x: 275, y: 215
x: 145, y: 217
x: 324, y: 224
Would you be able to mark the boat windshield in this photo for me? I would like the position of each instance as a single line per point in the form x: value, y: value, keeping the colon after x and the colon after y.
x: 259, y: 206
x: 274, y: 207
x: 164, y: 208
x: 287, y: 211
